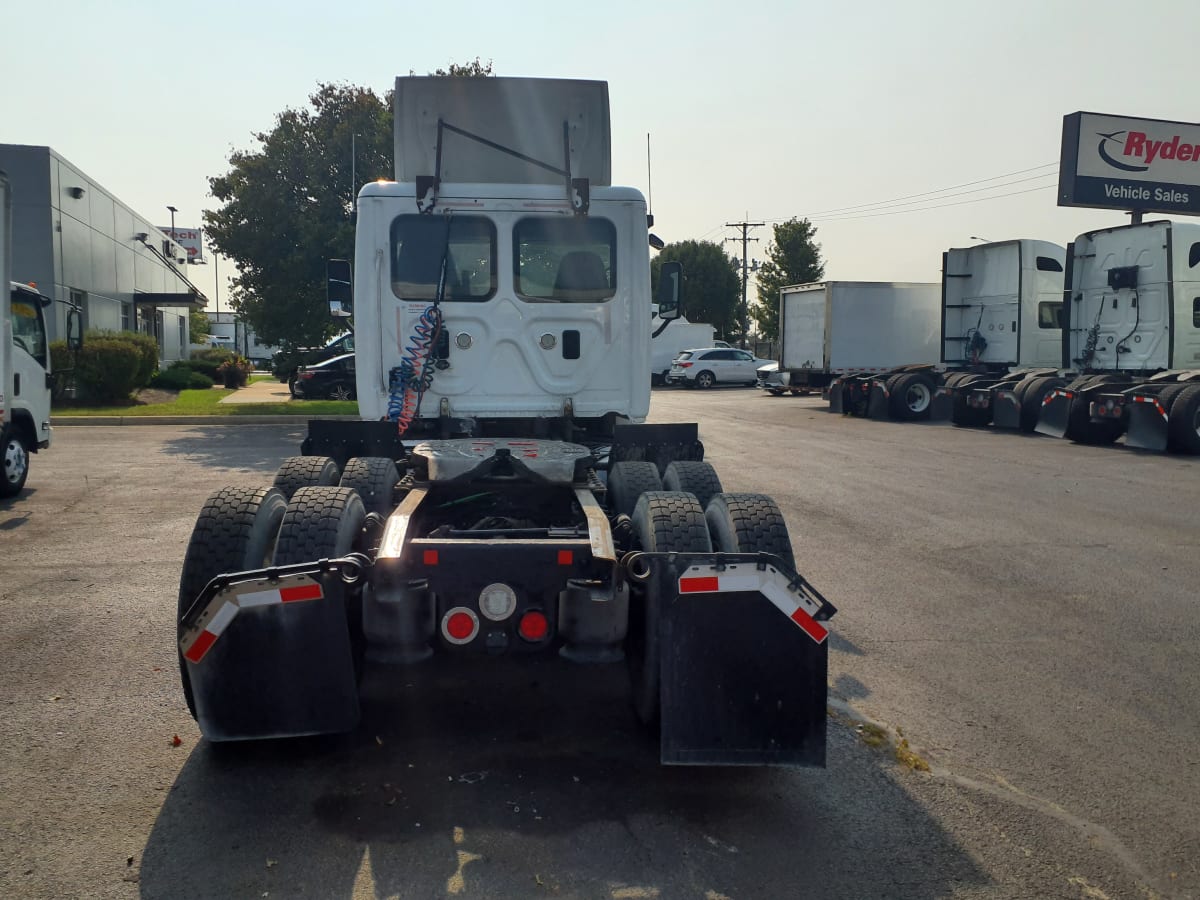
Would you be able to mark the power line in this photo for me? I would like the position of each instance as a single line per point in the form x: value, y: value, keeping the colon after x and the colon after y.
x: 745, y: 239
x: 842, y: 209
x: 899, y: 212
x: 901, y: 203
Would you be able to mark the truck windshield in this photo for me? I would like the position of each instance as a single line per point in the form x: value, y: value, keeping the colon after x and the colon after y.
x: 565, y: 260
x: 29, y: 329
x: 417, y: 245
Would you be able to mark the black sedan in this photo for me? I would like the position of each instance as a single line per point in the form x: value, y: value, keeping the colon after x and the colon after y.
x: 332, y: 379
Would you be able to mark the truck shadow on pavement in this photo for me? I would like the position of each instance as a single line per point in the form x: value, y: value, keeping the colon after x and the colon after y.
x: 246, y: 448
x: 505, y: 779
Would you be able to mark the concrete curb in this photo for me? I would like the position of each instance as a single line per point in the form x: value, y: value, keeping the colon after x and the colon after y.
x: 70, y: 421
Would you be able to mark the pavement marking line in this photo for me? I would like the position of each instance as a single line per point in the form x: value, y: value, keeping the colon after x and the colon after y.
x: 636, y: 893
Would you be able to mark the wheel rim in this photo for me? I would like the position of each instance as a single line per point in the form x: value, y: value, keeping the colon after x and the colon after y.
x: 704, y: 380
x: 917, y: 397
x: 15, y: 461
x: 341, y: 393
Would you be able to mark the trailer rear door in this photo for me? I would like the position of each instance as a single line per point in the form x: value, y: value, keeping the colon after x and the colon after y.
x: 1120, y: 308
x: 802, y: 326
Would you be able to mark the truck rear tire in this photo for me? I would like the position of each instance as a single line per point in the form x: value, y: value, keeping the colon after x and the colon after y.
x: 965, y: 416
x: 1082, y: 430
x: 628, y: 480
x: 373, y: 477
x: 236, y: 530
x: 15, y: 462
x: 1031, y: 399
x: 326, y: 522
x: 912, y: 397
x: 748, y: 523
x: 305, y: 471
x: 663, y: 522
x: 693, y: 477
x: 1183, y: 421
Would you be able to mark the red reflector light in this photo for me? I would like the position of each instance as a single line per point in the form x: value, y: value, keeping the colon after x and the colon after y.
x: 533, y: 626
x: 566, y: 558
x: 430, y: 557
x: 459, y: 626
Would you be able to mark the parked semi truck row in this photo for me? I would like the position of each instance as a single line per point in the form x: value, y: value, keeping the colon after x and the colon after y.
x: 502, y: 495
x: 906, y: 351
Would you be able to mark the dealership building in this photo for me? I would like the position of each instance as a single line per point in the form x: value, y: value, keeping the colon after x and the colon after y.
x: 81, y: 245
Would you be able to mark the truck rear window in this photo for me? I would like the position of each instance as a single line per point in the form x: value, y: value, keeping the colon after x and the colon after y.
x: 468, y: 244
x: 1050, y: 314
x: 565, y: 260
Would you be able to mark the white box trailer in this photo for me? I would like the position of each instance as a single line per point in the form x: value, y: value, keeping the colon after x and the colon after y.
x: 1133, y: 339
x: 831, y: 328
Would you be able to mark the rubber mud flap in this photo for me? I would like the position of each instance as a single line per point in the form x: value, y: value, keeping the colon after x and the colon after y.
x: 1006, y: 409
x: 740, y: 684
x: 836, y: 400
x: 877, y: 404
x: 1055, y: 414
x: 1148, y: 428
x: 942, y: 405
x: 279, y: 670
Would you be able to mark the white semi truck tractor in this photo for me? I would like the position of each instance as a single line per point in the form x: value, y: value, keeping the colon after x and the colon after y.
x: 1133, y: 340
x: 502, y: 494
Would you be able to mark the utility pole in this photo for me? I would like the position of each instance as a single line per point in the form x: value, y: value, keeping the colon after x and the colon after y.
x: 745, y: 239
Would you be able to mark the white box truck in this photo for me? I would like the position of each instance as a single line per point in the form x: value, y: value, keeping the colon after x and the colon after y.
x: 24, y: 363
x: 502, y: 495
x: 1133, y: 339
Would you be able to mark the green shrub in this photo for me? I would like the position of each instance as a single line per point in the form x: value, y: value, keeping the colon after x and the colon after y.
x: 109, y: 370
x: 235, y: 372
x: 180, y: 377
x: 203, y: 366
x: 145, y: 345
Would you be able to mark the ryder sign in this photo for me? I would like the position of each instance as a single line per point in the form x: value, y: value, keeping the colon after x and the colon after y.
x: 1142, y: 165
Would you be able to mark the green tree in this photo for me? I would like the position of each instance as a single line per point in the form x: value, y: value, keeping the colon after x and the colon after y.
x: 198, y: 326
x: 288, y: 205
x: 793, y: 257
x: 287, y: 209
x: 711, y: 286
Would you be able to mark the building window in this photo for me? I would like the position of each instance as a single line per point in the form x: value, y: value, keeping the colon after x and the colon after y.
x: 127, y: 317
x: 183, y: 336
x: 79, y: 301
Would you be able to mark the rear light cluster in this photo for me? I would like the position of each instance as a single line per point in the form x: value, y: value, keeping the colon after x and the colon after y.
x: 684, y: 365
x: 977, y: 400
x: 1107, y: 409
x: 497, y: 603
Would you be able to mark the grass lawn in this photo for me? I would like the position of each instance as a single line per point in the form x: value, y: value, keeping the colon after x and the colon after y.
x: 208, y: 403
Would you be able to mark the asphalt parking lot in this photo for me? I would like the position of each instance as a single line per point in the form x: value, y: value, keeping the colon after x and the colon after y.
x: 1021, y: 610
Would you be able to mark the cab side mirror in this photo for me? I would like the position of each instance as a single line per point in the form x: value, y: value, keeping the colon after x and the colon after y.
x: 339, y: 288
x: 670, y: 281
x: 74, y: 330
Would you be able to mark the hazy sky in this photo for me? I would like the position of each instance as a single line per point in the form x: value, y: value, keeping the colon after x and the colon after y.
x: 758, y: 110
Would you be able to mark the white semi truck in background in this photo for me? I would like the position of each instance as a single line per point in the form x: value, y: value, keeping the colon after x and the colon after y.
x: 25, y: 387
x: 1133, y: 339
x: 502, y: 494
x: 1001, y: 332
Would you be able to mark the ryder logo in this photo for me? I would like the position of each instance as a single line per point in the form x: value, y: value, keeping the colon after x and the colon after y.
x: 1135, y: 145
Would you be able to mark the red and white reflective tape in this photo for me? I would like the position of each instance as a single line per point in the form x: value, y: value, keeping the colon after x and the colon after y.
x: 199, y: 637
x: 1058, y: 392
x: 1144, y: 398
x: 769, y: 582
